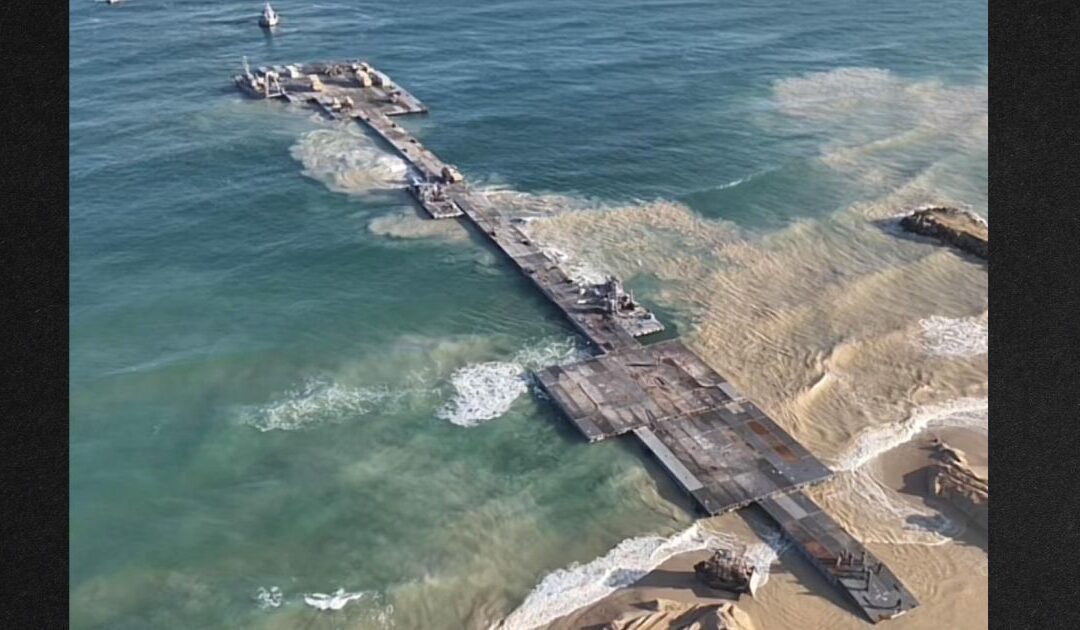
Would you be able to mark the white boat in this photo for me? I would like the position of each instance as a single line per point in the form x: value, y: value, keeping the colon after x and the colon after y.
x: 269, y: 18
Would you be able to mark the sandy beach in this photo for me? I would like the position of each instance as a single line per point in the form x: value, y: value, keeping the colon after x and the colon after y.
x: 946, y: 577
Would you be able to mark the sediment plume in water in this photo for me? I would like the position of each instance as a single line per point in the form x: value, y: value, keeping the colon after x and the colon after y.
x: 855, y: 340
x: 408, y: 225
x: 847, y: 334
x: 346, y: 160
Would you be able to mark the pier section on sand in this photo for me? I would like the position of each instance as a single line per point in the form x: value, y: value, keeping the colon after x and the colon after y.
x: 870, y: 584
x: 722, y: 449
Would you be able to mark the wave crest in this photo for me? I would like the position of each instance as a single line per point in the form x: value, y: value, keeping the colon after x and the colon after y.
x: 968, y: 413
x: 485, y: 391
x: 579, y: 585
x: 948, y: 337
x: 317, y: 401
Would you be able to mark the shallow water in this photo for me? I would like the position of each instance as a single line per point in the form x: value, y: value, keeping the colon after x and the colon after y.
x: 282, y: 377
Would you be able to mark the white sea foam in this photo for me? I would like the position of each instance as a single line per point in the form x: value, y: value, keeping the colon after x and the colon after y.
x: 581, y: 272
x: 742, y: 180
x: 762, y: 555
x: 335, y: 601
x: 890, y: 517
x: 485, y: 391
x: 552, y: 352
x: 969, y: 413
x: 948, y: 337
x: 317, y: 401
x: 347, y: 161
x: 269, y: 598
x: 579, y: 585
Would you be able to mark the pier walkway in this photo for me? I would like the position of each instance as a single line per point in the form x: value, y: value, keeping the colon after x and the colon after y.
x: 723, y: 450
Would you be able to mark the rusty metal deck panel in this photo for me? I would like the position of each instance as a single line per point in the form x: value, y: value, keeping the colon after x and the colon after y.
x: 874, y: 589
x: 736, y: 457
x: 686, y: 479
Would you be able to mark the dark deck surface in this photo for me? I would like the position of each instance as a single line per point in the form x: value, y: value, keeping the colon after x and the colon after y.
x: 729, y: 452
x: 877, y: 592
x: 721, y: 448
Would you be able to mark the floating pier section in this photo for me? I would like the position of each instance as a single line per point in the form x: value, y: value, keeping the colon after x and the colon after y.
x: 723, y: 450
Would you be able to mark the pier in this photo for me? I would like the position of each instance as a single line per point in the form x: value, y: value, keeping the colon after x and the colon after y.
x: 720, y: 448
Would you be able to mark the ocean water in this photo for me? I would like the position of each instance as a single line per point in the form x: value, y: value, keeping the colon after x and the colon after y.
x: 297, y: 404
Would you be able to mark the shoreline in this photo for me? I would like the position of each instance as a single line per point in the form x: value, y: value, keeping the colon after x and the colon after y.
x: 796, y: 595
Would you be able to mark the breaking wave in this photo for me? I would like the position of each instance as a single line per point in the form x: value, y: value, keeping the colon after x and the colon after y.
x: 335, y: 601
x: 317, y: 401
x: 485, y: 391
x: 762, y: 555
x: 347, y: 161
x: 269, y: 598
x: 944, y: 336
x: 877, y: 119
x: 579, y: 271
x: 579, y: 585
x: 373, y: 612
x: 967, y: 413
x: 883, y: 514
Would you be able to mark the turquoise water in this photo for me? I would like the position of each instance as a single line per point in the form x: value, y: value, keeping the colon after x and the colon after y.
x: 265, y: 381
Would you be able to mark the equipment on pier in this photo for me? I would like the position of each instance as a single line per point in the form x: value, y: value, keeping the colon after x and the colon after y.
x: 269, y: 18
x: 451, y: 175
x: 427, y: 191
x: 616, y: 301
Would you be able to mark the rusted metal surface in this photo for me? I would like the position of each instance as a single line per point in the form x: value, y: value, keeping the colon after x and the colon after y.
x: 873, y: 588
